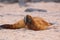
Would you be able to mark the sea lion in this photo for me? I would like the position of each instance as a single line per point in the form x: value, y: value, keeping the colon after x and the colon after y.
x: 29, y: 22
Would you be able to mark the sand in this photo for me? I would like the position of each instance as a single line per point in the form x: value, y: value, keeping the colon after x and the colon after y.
x: 11, y: 13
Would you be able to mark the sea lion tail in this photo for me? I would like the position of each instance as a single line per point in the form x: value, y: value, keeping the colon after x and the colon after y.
x: 6, y: 26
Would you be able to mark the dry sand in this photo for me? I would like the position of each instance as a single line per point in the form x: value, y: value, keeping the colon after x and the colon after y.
x: 10, y: 13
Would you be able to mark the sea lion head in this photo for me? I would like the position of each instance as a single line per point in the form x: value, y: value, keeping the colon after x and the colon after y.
x: 28, y: 19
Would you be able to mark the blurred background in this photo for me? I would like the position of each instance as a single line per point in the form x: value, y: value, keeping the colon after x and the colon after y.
x: 14, y: 1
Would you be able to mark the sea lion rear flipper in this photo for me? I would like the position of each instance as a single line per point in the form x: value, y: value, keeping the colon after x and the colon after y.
x: 6, y: 26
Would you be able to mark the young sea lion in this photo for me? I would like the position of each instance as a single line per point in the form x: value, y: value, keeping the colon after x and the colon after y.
x: 29, y: 22
x: 36, y: 23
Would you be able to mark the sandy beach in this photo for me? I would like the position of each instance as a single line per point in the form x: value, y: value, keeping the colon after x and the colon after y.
x: 11, y: 13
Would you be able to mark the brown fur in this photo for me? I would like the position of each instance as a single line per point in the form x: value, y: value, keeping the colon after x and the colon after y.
x: 36, y: 23
x: 17, y: 25
x: 29, y: 22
